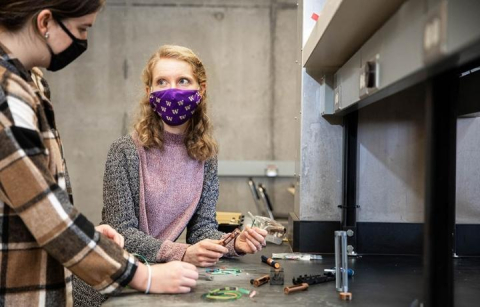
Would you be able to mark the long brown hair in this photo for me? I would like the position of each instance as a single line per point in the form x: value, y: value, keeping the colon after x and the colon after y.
x: 148, y: 124
x: 15, y: 13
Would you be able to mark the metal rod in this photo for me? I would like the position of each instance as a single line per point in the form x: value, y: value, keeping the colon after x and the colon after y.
x: 256, y: 197
x: 290, y: 289
x: 344, y: 262
x: 338, y: 280
x: 341, y: 261
x: 266, y: 201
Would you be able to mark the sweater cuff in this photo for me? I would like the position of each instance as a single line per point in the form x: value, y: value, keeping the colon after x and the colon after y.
x: 231, y: 248
x: 171, y: 251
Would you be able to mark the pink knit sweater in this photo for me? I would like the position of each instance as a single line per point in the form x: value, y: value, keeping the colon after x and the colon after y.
x: 170, y: 187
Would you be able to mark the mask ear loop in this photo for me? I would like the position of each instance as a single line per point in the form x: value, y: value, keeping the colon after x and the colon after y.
x: 65, y: 29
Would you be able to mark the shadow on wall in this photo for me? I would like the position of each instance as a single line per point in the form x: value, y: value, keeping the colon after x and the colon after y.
x: 468, y: 171
x: 391, y: 158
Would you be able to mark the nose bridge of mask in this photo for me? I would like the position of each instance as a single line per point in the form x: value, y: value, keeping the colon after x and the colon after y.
x: 151, y: 89
x: 155, y: 94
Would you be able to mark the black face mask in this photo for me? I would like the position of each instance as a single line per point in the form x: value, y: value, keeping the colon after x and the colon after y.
x: 68, y: 55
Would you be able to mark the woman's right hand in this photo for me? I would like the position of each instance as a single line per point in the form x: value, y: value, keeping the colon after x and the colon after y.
x: 205, y: 253
x: 171, y: 277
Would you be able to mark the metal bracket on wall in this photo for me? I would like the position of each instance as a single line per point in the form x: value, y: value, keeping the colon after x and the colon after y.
x: 351, y: 240
x: 435, y: 33
x: 337, y: 98
x: 369, y: 77
x: 327, y: 95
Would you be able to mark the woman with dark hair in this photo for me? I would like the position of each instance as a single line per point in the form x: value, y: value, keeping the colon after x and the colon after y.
x: 44, y: 238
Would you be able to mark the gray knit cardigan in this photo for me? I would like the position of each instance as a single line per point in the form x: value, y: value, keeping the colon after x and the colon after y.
x: 121, y: 190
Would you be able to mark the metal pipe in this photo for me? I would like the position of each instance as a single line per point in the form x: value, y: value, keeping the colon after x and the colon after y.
x: 302, y: 287
x: 341, y: 261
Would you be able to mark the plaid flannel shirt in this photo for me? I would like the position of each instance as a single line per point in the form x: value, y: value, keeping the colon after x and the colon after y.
x: 43, y: 237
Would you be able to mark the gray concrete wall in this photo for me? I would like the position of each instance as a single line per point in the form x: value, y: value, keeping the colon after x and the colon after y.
x: 89, y: 99
x: 391, y: 159
x: 320, y: 158
x: 391, y: 162
x: 319, y: 139
x: 468, y: 171
x: 248, y: 50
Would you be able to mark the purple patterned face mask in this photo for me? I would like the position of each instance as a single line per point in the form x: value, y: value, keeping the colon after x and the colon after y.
x: 175, y: 106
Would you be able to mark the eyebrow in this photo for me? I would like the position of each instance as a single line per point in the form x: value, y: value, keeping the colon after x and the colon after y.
x: 88, y: 25
x: 178, y: 77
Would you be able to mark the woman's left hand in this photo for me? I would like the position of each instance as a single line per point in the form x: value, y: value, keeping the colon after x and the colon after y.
x: 111, y: 233
x: 250, y: 240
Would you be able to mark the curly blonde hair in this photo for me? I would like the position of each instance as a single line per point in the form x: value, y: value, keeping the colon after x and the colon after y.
x: 149, y: 126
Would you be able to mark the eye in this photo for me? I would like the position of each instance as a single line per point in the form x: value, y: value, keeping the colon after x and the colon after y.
x: 184, y: 81
x: 161, y: 82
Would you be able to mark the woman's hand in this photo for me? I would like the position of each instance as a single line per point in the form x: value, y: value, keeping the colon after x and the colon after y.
x: 171, y: 277
x: 250, y: 240
x: 205, y: 253
x: 111, y: 233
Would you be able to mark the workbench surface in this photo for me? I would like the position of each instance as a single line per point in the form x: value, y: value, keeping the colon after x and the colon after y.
x: 378, y: 281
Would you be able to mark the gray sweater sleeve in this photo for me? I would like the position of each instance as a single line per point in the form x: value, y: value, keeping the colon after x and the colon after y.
x: 203, y: 224
x: 121, y: 186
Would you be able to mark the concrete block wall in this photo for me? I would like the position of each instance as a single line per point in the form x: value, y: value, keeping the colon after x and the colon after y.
x: 321, y: 156
x: 391, y: 159
x: 391, y: 162
x: 468, y: 171
x: 247, y: 49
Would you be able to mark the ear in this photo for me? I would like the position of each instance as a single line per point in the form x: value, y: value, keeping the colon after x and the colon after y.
x: 147, y: 90
x: 44, y: 20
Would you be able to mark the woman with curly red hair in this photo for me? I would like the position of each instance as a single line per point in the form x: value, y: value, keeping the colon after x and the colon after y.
x: 163, y: 178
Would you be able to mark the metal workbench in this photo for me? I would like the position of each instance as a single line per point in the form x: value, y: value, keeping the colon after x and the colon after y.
x: 378, y: 281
